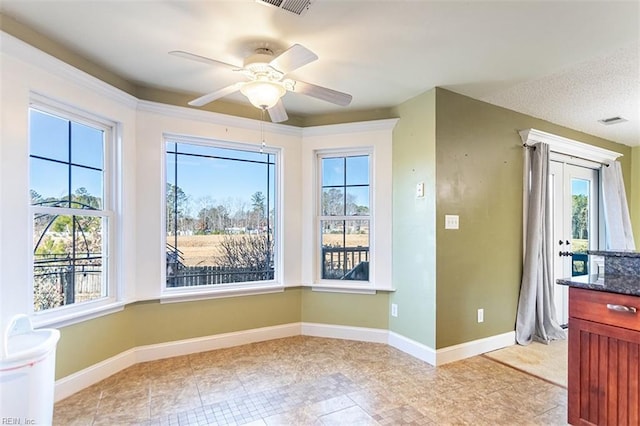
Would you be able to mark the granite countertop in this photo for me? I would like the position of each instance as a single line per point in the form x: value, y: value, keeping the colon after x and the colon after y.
x: 614, y: 253
x: 623, y: 284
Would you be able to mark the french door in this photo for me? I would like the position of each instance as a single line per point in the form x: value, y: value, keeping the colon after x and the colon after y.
x: 574, y: 208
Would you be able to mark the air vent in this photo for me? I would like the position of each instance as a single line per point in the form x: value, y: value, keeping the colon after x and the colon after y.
x: 294, y: 6
x: 612, y: 120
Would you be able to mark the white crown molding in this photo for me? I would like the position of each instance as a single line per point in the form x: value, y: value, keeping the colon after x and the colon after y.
x: 217, y: 118
x: 25, y: 52
x: 356, y: 127
x: 569, y: 147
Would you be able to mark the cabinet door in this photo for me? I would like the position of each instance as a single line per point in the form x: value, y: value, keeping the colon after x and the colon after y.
x: 604, y: 374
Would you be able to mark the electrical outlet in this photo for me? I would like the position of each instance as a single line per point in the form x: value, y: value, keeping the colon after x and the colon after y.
x: 394, y: 310
x: 480, y: 315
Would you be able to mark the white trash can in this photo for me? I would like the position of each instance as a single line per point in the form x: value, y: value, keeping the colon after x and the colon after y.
x: 27, y: 373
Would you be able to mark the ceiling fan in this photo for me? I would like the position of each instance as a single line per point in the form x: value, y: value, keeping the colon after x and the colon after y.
x: 267, y: 83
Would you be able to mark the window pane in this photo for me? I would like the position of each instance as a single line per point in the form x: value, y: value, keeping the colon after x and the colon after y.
x: 333, y: 202
x: 49, y: 182
x: 68, y: 260
x: 219, y: 215
x: 333, y: 171
x: 345, y: 249
x: 48, y: 136
x: 358, y: 201
x: 86, y: 187
x: 358, y: 170
x: 87, y: 146
x: 580, y: 220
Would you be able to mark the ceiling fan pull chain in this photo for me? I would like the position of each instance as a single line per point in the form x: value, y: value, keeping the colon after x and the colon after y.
x: 262, y: 130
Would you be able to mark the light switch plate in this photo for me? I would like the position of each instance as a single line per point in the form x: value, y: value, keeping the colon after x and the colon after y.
x: 420, y: 190
x: 451, y: 221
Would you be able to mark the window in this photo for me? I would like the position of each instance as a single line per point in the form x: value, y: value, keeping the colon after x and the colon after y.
x: 345, y: 216
x: 220, y: 214
x: 72, y: 209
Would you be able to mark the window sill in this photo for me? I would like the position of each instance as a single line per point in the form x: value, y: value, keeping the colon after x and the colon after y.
x: 342, y: 287
x: 74, y: 315
x: 184, y: 295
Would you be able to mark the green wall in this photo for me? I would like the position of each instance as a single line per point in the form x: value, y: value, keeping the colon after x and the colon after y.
x: 350, y: 309
x: 89, y: 342
x: 145, y: 323
x: 414, y: 242
x: 479, y: 166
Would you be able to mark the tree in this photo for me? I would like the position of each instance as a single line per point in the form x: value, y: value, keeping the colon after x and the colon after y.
x: 333, y: 202
x: 257, y: 202
x: 580, y: 216
x: 177, y: 203
x: 259, y: 209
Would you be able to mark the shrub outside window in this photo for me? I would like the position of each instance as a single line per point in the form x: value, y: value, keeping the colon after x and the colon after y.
x: 220, y: 214
x: 71, y: 208
x: 345, y: 216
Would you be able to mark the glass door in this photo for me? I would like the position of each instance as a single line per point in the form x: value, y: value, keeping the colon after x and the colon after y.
x: 574, y: 206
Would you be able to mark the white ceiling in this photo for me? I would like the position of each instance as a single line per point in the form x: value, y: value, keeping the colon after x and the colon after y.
x: 569, y: 62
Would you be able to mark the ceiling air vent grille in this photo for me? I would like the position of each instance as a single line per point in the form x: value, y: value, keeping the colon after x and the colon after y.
x: 294, y: 6
x: 612, y: 120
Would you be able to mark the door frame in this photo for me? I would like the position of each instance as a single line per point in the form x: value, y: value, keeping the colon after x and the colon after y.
x: 577, y: 151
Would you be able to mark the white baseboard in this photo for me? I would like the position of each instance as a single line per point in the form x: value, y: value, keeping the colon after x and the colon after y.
x: 362, y: 334
x: 79, y: 380
x: 475, y: 347
x: 75, y: 382
x: 413, y: 348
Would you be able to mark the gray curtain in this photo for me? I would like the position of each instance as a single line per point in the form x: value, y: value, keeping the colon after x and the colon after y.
x: 536, y: 319
x: 616, y: 211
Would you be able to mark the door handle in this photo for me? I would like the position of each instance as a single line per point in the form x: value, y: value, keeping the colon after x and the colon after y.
x: 560, y: 242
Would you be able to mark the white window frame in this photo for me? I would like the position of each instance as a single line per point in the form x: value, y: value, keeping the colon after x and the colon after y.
x: 185, y: 294
x: 112, y: 301
x: 332, y: 284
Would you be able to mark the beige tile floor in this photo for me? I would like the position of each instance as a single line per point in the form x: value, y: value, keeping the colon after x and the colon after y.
x: 315, y: 381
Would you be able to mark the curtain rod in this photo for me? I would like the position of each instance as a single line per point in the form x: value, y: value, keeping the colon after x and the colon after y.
x: 568, y: 155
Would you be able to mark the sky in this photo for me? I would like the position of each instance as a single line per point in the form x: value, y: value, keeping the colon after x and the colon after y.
x: 206, y: 181
x: 579, y: 187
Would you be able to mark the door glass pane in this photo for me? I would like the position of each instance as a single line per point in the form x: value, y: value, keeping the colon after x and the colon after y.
x: 580, y: 220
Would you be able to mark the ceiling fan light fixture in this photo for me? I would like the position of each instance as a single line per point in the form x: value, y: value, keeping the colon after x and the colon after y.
x: 263, y: 94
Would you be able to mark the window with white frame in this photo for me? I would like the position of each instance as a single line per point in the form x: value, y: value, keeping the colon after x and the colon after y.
x: 220, y: 214
x: 345, y: 215
x: 72, y: 208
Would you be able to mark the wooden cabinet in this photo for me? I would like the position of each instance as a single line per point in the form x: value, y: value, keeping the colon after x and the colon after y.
x: 604, y: 358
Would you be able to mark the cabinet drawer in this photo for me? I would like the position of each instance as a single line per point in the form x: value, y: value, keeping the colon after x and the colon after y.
x: 605, y: 308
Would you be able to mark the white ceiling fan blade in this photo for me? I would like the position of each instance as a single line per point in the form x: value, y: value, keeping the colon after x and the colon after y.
x: 277, y: 113
x: 293, y: 58
x: 319, y: 92
x: 203, y: 59
x: 210, y: 97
